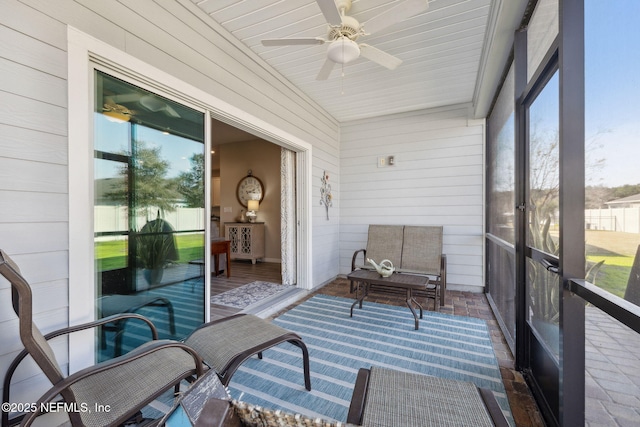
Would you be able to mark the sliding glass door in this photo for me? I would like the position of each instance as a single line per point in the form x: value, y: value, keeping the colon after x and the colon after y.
x: 149, y: 213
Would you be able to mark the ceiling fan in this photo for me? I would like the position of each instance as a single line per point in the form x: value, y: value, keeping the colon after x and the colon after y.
x: 345, y: 30
x: 116, y: 112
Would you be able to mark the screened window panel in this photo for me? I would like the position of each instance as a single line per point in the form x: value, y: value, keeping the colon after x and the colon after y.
x: 501, y: 207
x: 543, y: 30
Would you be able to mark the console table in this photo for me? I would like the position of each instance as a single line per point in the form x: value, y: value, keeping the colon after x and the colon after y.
x: 247, y: 240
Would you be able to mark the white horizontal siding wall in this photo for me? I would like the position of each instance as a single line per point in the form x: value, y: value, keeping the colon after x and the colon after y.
x: 437, y: 179
x: 171, y: 35
x: 33, y: 174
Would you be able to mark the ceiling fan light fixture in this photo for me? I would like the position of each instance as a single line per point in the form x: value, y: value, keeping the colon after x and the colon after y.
x: 343, y: 50
x: 115, y: 117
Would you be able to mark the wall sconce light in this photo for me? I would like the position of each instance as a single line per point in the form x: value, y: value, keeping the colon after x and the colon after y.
x: 253, y: 206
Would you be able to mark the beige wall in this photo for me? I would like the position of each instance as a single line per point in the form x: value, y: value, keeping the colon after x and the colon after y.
x: 263, y: 158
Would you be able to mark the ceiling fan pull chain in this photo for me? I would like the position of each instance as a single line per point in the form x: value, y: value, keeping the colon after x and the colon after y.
x: 342, y: 80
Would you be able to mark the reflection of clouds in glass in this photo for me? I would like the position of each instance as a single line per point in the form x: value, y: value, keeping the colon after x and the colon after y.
x: 109, y: 136
x: 175, y: 149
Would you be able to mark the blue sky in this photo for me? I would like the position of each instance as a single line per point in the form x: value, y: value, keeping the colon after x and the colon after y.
x: 175, y: 149
x: 612, y: 92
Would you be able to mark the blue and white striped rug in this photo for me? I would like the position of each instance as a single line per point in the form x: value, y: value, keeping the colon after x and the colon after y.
x: 381, y: 335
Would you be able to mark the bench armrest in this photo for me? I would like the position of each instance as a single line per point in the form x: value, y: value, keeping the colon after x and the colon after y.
x: 355, y: 256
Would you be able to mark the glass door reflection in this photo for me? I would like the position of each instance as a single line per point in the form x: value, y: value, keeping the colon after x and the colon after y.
x: 149, y: 214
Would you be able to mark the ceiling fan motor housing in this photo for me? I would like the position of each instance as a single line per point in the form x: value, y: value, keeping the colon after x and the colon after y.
x: 350, y: 28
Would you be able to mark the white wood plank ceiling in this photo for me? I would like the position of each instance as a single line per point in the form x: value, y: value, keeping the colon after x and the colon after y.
x: 441, y: 50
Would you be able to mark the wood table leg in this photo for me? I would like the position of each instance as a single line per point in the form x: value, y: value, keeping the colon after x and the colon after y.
x: 221, y: 247
x: 228, y: 259
x: 216, y: 264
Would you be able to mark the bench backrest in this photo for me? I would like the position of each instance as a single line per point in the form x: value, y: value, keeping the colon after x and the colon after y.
x: 411, y: 248
x: 422, y: 249
x: 385, y: 242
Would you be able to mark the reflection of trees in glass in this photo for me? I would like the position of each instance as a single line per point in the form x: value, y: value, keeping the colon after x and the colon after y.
x: 191, y: 183
x: 544, y: 180
x: 152, y: 190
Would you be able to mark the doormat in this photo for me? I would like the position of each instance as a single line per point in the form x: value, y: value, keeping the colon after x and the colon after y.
x: 249, y: 294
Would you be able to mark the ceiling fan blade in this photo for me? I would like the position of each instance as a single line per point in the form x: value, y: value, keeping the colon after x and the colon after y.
x: 330, y: 12
x: 398, y: 13
x: 326, y: 69
x: 293, y: 42
x: 379, y: 57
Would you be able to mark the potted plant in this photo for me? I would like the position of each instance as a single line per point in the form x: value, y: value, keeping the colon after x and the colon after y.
x: 155, y: 249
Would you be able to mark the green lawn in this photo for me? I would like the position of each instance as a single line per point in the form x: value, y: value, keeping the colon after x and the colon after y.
x: 614, y: 273
x: 112, y: 255
x: 618, y: 250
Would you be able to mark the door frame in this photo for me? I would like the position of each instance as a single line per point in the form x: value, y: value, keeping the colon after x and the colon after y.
x: 568, y: 52
x: 533, y: 356
x: 84, y: 54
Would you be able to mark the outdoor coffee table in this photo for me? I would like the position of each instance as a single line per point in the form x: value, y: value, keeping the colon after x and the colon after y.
x: 408, y: 282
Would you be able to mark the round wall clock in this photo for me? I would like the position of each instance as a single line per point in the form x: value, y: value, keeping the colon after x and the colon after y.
x: 249, y: 188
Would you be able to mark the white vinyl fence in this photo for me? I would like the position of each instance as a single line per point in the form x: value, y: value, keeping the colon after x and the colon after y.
x: 626, y: 220
x: 115, y: 218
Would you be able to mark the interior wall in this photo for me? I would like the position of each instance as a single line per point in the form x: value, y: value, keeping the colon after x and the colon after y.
x: 263, y: 158
x: 437, y: 179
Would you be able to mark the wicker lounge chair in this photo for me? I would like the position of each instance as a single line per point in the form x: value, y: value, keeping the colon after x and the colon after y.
x: 225, y: 344
x: 126, y: 383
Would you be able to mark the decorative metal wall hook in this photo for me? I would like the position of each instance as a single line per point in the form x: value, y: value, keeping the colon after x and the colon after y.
x: 326, y: 198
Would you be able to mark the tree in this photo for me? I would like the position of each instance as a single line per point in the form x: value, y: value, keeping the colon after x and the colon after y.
x: 597, y: 196
x: 146, y: 189
x: 191, y: 183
